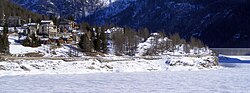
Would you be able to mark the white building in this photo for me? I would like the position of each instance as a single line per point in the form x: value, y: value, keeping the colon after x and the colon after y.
x: 47, y: 28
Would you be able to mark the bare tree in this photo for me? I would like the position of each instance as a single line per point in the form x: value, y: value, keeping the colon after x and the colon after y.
x: 194, y: 42
x: 118, y: 41
x: 144, y: 33
x: 131, y: 41
x: 176, y: 40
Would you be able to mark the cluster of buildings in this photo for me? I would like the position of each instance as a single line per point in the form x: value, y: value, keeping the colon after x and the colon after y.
x: 48, y: 32
x: 66, y: 31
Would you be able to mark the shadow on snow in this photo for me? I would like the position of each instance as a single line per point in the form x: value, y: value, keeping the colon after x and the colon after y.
x: 230, y: 62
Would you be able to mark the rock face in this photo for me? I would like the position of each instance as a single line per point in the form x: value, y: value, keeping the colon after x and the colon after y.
x: 208, y: 20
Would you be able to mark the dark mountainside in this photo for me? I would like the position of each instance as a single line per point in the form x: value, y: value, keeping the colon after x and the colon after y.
x: 219, y: 23
x: 11, y: 9
x: 78, y: 9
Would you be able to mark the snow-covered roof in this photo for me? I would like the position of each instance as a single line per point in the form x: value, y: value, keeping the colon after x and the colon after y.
x: 56, y: 37
x: 44, y: 39
x: 154, y: 34
x: 21, y: 30
x: 46, y: 21
x: 80, y: 33
x: 75, y: 30
x: 22, y: 37
x: 108, y: 31
x: 32, y: 24
x: 25, y: 25
x: 66, y: 36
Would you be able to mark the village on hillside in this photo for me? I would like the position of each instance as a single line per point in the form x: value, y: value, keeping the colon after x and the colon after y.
x: 47, y: 31
x: 103, y: 39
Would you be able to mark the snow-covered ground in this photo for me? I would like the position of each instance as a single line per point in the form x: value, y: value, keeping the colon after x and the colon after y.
x: 171, y: 61
x: 45, y: 50
x: 109, y: 64
x: 31, y: 67
x: 232, y: 78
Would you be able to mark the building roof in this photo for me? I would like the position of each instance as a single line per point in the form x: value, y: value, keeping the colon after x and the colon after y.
x: 30, y: 24
x: 66, y: 22
x: 56, y: 38
x: 44, y: 39
x: 77, y: 31
x: 46, y: 21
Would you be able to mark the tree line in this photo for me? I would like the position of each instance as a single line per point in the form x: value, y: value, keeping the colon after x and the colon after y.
x: 125, y: 40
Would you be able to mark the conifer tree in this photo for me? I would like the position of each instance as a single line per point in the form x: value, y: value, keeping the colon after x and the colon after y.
x: 32, y: 41
x: 85, y: 44
x: 26, y: 41
x: 35, y: 41
x: 4, y: 43
x: 104, y: 42
x: 96, y: 39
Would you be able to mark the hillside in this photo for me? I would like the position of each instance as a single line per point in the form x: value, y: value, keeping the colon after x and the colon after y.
x: 208, y: 20
x: 11, y: 9
x: 79, y: 9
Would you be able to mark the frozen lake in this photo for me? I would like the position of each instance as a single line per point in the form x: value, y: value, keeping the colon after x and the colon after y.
x: 234, y: 78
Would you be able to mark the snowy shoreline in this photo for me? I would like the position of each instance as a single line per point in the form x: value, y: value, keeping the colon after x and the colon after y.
x: 42, y: 66
x: 48, y: 60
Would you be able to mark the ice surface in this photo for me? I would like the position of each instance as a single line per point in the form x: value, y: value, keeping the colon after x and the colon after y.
x: 227, y: 80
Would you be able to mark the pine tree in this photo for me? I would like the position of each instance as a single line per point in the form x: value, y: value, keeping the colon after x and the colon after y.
x: 58, y: 43
x: 32, y: 41
x: 4, y: 44
x: 85, y: 26
x: 104, y: 42
x: 85, y: 44
x: 96, y: 39
x: 35, y: 41
x: 71, y: 18
x: 26, y: 42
